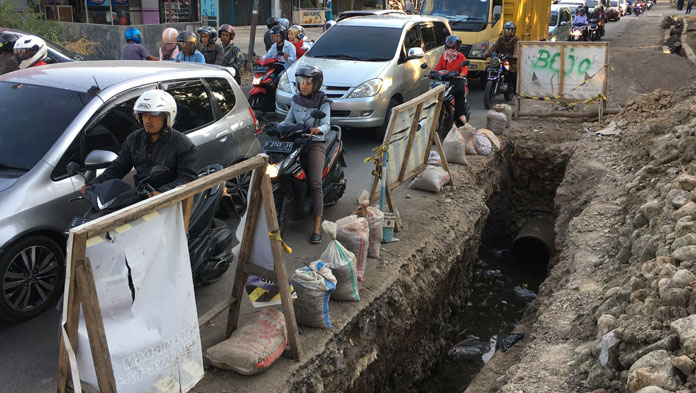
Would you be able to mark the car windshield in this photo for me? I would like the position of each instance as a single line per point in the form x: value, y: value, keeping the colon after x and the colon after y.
x: 30, y: 132
x: 592, y: 3
x: 553, y: 18
x: 613, y: 4
x: 360, y: 43
x: 463, y: 15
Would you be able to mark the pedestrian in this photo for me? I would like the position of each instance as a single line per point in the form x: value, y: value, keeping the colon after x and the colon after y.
x: 409, y: 7
x: 186, y: 42
x: 133, y: 50
x: 680, y: 5
x: 168, y: 50
x: 688, y: 6
x: 211, y: 49
x: 233, y: 53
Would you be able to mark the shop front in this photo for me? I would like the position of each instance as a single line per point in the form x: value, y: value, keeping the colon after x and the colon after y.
x: 310, y: 12
x: 121, y: 12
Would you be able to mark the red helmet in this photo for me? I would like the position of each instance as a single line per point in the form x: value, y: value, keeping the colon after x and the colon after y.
x: 228, y: 29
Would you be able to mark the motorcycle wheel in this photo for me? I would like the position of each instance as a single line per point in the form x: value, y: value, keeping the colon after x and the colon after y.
x: 256, y: 102
x: 489, y: 95
x: 234, y: 204
x: 446, y: 120
x: 509, y: 93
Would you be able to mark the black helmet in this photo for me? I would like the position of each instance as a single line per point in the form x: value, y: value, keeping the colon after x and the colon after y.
x: 272, y: 21
x: 509, y: 25
x: 277, y: 29
x: 314, y: 73
x: 186, y: 36
x: 210, y: 31
x: 453, y: 42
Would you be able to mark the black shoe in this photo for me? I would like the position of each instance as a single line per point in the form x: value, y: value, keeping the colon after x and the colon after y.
x: 315, y: 238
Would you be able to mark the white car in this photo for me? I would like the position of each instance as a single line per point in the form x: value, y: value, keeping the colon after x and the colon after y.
x: 572, y: 4
x: 624, y: 7
x: 560, y: 22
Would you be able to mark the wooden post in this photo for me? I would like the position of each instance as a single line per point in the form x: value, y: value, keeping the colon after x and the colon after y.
x: 186, y: 206
x: 562, y: 72
x: 279, y: 269
x: 519, y: 87
x: 95, y: 327
x: 245, y: 249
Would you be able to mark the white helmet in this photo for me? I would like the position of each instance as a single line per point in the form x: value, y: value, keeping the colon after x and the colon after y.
x: 29, y: 50
x: 156, y: 102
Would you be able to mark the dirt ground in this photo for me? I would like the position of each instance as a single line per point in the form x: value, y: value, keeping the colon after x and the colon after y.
x: 602, y: 280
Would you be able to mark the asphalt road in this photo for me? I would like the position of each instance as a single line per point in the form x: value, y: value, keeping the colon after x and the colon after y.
x: 29, y: 350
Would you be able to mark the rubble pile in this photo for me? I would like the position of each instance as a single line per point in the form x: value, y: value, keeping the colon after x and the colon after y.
x: 676, y: 27
x: 646, y: 320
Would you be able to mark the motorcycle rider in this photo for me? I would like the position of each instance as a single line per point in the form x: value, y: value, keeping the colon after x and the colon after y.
x: 296, y: 37
x: 157, y: 143
x: 168, y: 50
x: 507, y: 45
x: 233, y: 54
x: 267, y: 40
x: 133, y: 50
x: 211, y: 49
x: 452, y: 60
x: 186, y: 42
x: 30, y: 51
x: 283, y: 50
x: 309, y: 80
x: 581, y: 20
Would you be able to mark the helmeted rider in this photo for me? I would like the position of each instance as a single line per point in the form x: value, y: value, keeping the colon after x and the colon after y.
x: 296, y: 36
x: 580, y: 18
x: 329, y: 24
x: 30, y: 51
x: 169, y: 50
x: 267, y: 40
x: 507, y: 46
x: 285, y: 23
x: 282, y: 50
x: 233, y: 53
x: 309, y: 80
x: 211, y: 49
x: 186, y: 42
x: 157, y: 143
x: 133, y: 50
x: 452, y: 60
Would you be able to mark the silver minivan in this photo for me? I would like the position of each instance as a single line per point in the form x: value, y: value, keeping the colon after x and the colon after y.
x: 560, y: 22
x: 371, y: 64
x: 52, y: 115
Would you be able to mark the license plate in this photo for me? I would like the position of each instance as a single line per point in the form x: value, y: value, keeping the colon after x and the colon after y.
x: 277, y: 147
x: 473, y: 67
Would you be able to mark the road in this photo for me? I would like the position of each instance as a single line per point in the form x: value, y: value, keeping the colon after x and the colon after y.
x: 29, y: 350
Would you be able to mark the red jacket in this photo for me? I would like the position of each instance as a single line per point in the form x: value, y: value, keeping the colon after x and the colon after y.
x: 455, y: 65
x: 298, y: 49
x: 39, y: 63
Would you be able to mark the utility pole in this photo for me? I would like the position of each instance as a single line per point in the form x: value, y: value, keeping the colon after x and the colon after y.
x: 252, y: 34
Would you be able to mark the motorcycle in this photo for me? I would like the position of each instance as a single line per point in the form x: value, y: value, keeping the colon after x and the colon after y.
x: 649, y: 5
x: 499, y: 80
x: 593, y: 30
x: 262, y: 93
x: 578, y: 32
x: 446, y: 78
x: 209, y: 239
x: 637, y: 9
x: 287, y: 148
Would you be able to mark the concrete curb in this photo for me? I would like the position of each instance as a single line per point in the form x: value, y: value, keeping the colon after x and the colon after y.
x: 687, y: 49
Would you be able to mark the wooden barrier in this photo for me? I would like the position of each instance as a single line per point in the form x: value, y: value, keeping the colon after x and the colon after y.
x: 415, y: 124
x: 80, y: 285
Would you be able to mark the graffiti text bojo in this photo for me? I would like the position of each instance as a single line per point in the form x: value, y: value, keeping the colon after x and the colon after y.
x: 546, y: 61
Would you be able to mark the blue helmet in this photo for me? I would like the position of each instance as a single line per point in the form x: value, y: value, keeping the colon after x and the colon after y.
x: 133, y: 34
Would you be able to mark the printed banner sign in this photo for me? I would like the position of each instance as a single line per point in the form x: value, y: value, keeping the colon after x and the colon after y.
x: 584, y: 66
x: 209, y: 8
x: 155, y: 346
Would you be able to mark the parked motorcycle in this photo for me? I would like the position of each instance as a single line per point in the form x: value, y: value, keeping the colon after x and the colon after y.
x: 262, y: 93
x: 578, y: 32
x: 209, y: 239
x: 593, y: 32
x: 447, y: 78
x: 499, y: 80
x: 287, y: 150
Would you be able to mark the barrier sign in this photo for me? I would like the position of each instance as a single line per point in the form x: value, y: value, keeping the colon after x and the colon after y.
x: 584, y: 64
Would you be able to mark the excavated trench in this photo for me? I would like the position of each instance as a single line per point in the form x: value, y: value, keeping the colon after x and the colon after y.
x: 406, y: 340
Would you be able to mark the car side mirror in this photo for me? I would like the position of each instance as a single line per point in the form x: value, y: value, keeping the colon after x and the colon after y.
x: 317, y: 114
x: 497, y: 12
x: 415, y: 53
x: 99, y: 159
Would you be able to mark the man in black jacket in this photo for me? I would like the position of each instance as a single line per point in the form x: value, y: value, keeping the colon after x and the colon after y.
x: 157, y: 143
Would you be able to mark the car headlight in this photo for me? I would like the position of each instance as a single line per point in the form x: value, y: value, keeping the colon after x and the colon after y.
x: 272, y: 170
x: 284, y: 83
x: 367, y: 89
x: 478, y: 49
x: 553, y: 39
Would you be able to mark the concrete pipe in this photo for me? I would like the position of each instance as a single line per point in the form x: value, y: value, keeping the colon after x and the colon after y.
x: 534, y: 243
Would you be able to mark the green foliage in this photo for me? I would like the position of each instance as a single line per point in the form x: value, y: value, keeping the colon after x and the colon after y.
x: 29, y: 21
x: 309, y: 4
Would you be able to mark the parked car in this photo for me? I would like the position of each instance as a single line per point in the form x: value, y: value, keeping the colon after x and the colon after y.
x: 371, y: 64
x: 59, y: 114
x: 614, y: 10
x: 560, y: 22
x: 351, y: 14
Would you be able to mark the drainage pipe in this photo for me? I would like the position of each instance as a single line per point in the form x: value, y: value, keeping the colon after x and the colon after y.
x: 534, y: 243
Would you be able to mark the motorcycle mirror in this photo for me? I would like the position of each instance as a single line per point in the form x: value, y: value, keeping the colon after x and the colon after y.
x: 424, y: 65
x: 317, y: 114
x: 73, y: 168
x: 465, y: 63
x: 99, y: 159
